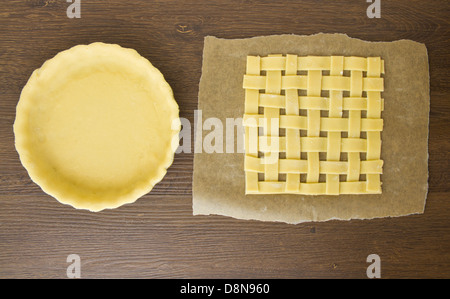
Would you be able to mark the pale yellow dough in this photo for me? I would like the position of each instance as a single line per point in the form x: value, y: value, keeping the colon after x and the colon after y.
x: 97, y: 126
x: 285, y: 85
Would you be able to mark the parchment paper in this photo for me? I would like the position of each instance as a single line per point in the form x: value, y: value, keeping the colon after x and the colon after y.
x: 219, y: 184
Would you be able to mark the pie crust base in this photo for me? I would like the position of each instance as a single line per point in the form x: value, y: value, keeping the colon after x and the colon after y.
x: 97, y: 126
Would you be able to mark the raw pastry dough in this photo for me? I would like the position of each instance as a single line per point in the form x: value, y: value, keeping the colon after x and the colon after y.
x: 341, y: 100
x: 97, y: 126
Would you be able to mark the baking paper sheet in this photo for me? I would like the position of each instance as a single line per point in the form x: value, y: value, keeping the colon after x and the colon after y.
x: 219, y: 184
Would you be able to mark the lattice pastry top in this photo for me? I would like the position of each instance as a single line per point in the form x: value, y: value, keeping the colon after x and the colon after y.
x: 313, y: 124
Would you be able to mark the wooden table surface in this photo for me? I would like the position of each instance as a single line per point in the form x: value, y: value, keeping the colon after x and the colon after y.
x: 157, y: 236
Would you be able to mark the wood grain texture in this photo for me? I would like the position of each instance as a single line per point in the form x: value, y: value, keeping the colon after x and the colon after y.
x: 157, y: 237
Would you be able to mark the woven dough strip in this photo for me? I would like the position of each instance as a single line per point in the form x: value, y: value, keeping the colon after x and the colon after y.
x: 307, y: 107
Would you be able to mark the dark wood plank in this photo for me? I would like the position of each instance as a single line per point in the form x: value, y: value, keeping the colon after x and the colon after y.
x: 157, y: 236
